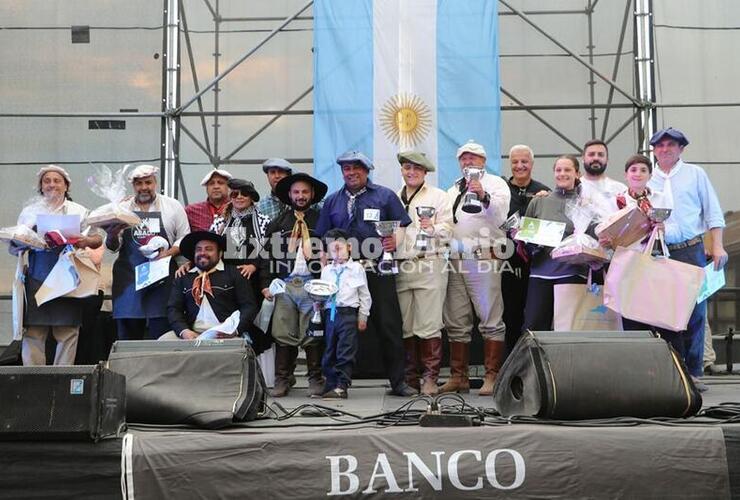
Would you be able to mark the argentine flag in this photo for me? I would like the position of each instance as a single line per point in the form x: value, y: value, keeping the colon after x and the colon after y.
x: 398, y: 75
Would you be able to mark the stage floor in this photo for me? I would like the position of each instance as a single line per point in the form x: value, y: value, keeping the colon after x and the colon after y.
x: 310, y: 455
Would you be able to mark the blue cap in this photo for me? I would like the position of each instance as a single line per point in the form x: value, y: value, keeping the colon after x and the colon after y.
x: 671, y: 132
x: 277, y: 163
x: 355, y: 157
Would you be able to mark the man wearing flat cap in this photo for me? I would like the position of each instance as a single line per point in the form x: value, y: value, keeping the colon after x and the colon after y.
x: 143, y: 313
x: 696, y: 209
x: 474, y: 283
x: 201, y: 214
x: 355, y: 207
x: 421, y: 283
x: 275, y: 169
x: 294, y: 260
x: 210, y: 292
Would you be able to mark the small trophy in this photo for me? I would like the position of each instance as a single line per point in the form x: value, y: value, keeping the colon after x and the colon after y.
x: 471, y: 203
x: 658, y: 215
x: 386, y: 228
x: 320, y: 292
x: 422, y: 239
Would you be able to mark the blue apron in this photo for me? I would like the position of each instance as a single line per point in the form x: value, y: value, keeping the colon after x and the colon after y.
x: 62, y: 311
x: 150, y: 302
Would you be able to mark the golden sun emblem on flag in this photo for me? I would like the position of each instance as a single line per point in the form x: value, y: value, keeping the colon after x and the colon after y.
x: 405, y: 120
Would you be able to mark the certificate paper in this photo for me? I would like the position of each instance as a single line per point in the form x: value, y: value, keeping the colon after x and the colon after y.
x: 542, y: 232
x: 713, y: 281
x: 68, y: 225
x: 151, y: 272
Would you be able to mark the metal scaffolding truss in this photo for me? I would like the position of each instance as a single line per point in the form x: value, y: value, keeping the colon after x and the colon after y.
x: 177, y: 44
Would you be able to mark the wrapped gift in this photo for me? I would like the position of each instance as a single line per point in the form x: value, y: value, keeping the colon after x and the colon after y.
x: 22, y: 236
x: 580, y: 249
x: 112, y: 215
x: 625, y: 227
x: 112, y: 186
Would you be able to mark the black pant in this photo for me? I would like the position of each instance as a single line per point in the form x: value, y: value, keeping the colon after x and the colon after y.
x: 385, y: 324
x: 514, y: 291
x: 142, y: 328
x: 538, y: 313
x: 341, y: 348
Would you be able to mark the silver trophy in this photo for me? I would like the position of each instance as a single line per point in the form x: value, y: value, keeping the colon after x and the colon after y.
x: 471, y: 203
x: 320, y: 292
x: 386, y: 228
x: 422, y: 239
x: 658, y: 215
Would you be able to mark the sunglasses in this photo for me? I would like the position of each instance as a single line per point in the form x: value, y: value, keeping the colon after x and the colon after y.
x: 236, y: 193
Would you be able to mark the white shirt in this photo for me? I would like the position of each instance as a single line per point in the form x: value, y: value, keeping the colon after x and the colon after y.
x: 29, y: 213
x: 695, y: 204
x: 353, y: 290
x: 426, y: 196
x: 601, y: 194
x: 174, y: 218
x: 474, y: 231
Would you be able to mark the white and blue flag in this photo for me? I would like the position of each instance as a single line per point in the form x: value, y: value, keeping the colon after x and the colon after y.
x: 399, y: 75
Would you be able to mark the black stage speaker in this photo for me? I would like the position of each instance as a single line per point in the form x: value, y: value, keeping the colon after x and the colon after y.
x: 61, y: 402
x: 206, y: 383
x: 587, y: 375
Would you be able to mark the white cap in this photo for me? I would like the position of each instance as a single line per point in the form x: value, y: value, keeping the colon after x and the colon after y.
x: 471, y: 147
x: 216, y: 171
x: 54, y: 168
x: 142, y: 171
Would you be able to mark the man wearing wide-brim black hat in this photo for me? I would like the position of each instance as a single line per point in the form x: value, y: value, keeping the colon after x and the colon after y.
x: 293, y: 249
x: 210, y: 292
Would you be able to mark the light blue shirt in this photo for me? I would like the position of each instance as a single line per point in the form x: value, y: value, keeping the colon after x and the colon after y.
x: 695, y: 204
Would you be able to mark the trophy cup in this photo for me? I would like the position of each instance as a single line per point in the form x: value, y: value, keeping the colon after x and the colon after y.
x: 386, y: 228
x: 320, y: 292
x: 657, y: 215
x: 422, y: 239
x: 471, y: 203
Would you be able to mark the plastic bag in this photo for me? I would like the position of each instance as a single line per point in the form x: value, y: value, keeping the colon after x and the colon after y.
x: 111, y: 186
x: 579, y: 247
x: 22, y: 236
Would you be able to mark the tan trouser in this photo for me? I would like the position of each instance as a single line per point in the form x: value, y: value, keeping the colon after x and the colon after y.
x: 34, y: 344
x: 709, y: 355
x: 422, y: 286
x: 474, y: 287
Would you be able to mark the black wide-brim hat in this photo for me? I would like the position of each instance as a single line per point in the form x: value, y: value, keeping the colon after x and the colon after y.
x: 282, y: 190
x: 187, y: 245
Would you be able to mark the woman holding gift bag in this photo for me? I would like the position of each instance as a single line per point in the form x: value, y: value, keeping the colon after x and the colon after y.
x: 61, y: 316
x: 545, y: 271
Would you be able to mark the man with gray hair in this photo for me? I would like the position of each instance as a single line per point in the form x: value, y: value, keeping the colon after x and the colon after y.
x: 143, y: 313
x: 474, y: 283
x: 514, y: 281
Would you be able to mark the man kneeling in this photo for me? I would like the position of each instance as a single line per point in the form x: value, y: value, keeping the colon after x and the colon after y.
x: 210, y: 293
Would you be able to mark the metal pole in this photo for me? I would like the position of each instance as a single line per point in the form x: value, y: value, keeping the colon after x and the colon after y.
x: 617, y: 60
x: 172, y: 28
x: 216, y: 87
x: 572, y: 53
x: 644, y: 71
x: 243, y: 58
x: 194, y: 75
x: 591, y: 81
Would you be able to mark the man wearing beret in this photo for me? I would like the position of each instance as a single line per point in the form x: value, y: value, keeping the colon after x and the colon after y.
x: 354, y: 208
x: 292, y: 259
x: 143, y: 313
x: 696, y: 209
x: 201, y: 214
x: 276, y: 169
x: 210, y: 292
x: 474, y: 283
x: 422, y: 279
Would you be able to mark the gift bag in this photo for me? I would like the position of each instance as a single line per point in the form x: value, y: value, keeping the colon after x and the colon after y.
x: 62, y: 279
x: 88, y: 273
x: 653, y: 290
x: 267, y: 358
x: 581, y: 308
x: 580, y: 248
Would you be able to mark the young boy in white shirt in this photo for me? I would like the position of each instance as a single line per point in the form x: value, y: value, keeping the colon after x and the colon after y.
x: 345, y: 315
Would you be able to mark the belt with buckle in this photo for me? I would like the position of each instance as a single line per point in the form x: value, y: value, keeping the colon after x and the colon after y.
x: 685, y: 244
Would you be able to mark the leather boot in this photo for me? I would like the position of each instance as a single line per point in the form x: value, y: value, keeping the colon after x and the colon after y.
x: 313, y: 363
x: 459, y: 359
x: 285, y: 358
x: 493, y: 358
x: 411, y: 355
x: 431, y: 359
